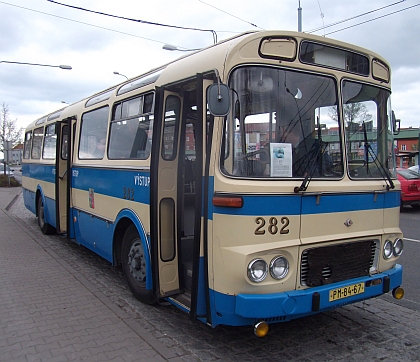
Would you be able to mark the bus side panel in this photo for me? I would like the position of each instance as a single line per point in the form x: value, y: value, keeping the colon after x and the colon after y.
x: 29, y: 200
x: 39, y: 178
x: 95, y: 234
x: 98, y: 196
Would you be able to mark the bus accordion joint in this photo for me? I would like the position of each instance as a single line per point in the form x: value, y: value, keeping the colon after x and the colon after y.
x: 228, y: 201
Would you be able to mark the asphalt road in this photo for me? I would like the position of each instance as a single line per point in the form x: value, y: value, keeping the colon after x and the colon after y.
x: 410, y: 225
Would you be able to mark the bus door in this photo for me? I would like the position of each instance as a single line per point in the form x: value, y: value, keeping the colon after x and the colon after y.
x: 62, y: 175
x: 165, y: 183
x: 176, y: 194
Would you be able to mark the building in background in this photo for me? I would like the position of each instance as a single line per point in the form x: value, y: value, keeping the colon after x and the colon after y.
x: 16, y: 155
x: 407, y: 147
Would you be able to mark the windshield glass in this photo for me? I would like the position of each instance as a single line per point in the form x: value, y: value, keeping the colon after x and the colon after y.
x: 369, y: 138
x: 283, y: 124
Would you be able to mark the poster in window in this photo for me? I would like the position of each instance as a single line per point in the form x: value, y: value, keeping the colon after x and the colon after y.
x: 281, y: 159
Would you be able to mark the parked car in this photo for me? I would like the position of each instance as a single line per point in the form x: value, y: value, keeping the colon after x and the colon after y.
x: 410, y: 187
x: 414, y: 168
x: 9, y: 172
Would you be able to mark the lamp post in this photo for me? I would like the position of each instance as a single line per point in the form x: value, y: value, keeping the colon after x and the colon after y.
x: 175, y: 48
x: 67, y: 67
x: 122, y: 75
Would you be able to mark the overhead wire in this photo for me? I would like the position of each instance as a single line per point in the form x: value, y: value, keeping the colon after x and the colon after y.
x: 353, y: 17
x: 370, y: 20
x: 81, y: 22
x: 137, y: 20
x: 234, y: 16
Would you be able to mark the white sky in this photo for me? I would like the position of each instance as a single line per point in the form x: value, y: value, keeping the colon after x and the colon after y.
x: 38, y: 31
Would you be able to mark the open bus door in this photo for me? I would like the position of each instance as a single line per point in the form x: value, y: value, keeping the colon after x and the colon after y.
x: 63, y: 175
x: 165, y: 186
x: 177, y: 182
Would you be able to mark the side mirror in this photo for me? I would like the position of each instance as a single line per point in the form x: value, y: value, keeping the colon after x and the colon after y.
x: 218, y: 99
x: 396, y: 124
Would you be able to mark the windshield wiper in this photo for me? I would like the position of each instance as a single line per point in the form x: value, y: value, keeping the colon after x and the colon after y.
x: 312, y: 168
x: 370, y: 152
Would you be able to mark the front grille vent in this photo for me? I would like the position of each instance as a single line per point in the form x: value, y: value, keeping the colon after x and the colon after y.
x: 335, y: 263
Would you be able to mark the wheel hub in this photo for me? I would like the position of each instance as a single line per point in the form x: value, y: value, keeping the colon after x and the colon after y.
x: 136, y: 262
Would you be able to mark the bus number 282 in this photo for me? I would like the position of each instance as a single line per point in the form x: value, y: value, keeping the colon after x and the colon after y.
x: 128, y: 193
x: 272, y: 226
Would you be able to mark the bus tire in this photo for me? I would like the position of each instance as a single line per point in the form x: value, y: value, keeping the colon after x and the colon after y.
x: 134, y: 265
x: 43, y: 225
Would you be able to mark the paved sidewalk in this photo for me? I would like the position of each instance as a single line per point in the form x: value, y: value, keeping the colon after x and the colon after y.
x: 50, y: 312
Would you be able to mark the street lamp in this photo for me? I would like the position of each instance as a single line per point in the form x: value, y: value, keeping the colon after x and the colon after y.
x: 122, y: 75
x: 173, y: 48
x: 67, y: 67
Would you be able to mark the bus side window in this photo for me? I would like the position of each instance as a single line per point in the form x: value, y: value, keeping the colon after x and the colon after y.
x: 37, y: 142
x: 129, y: 139
x: 50, y: 141
x: 27, y: 145
x: 93, y: 134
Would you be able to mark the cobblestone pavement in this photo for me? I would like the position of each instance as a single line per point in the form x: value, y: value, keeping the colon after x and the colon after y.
x: 374, y: 330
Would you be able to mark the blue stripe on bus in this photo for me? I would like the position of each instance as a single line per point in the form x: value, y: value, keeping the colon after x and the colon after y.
x: 120, y: 183
x: 266, y: 205
x: 39, y: 171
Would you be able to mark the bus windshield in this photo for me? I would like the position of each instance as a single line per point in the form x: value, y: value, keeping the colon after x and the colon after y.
x: 369, y: 139
x: 284, y: 124
x: 287, y: 124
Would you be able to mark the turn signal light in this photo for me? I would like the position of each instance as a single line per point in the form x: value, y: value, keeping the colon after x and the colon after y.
x: 398, y: 293
x: 228, y: 201
x: 261, y: 329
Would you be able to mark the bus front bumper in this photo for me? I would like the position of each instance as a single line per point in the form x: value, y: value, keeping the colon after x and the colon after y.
x: 294, y: 304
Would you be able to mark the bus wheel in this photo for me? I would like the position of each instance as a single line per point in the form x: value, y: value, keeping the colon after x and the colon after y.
x: 134, y: 265
x: 44, y: 226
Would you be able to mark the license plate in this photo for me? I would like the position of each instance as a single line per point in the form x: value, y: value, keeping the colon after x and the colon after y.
x: 345, y: 292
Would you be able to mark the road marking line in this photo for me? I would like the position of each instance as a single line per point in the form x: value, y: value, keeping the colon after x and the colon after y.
x: 417, y: 241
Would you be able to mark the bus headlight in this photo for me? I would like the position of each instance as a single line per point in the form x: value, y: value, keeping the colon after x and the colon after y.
x: 279, y: 267
x: 388, y: 249
x: 257, y: 270
x: 398, y: 247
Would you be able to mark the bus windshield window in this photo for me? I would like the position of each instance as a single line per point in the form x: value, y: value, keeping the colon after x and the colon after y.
x: 282, y: 125
x: 369, y: 140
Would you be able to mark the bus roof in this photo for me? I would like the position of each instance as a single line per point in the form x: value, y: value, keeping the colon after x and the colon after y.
x: 215, y: 56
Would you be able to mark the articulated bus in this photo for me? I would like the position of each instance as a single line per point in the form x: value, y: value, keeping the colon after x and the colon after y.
x: 247, y: 183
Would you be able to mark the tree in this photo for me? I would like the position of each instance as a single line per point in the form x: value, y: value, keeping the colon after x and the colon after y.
x: 9, y: 130
x: 354, y: 113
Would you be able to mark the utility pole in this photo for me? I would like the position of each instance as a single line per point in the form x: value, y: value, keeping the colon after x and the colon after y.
x: 299, y: 18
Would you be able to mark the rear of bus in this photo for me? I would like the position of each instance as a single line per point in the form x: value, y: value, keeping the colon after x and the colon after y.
x: 305, y: 209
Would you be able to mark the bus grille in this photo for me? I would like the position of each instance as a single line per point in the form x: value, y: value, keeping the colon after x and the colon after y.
x: 331, y: 264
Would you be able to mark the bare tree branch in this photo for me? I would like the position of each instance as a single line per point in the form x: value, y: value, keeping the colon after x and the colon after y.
x: 9, y: 130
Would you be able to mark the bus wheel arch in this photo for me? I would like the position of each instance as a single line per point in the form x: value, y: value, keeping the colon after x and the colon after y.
x: 131, y: 252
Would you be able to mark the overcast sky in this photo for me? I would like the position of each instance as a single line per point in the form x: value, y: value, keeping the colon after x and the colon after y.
x: 38, y: 31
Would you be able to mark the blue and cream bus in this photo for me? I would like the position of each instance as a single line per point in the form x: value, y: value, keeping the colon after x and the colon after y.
x: 247, y: 183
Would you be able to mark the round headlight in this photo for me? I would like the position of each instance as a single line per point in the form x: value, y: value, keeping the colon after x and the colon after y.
x: 257, y: 270
x: 388, y: 249
x: 279, y: 267
x: 398, y: 247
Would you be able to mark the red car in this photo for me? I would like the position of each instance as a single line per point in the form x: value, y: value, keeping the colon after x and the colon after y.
x: 410, y: 187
